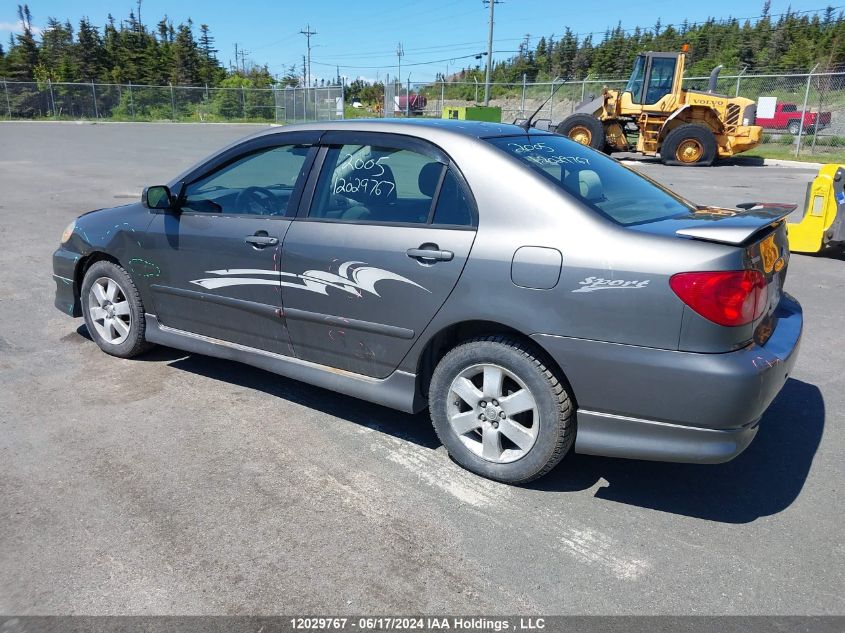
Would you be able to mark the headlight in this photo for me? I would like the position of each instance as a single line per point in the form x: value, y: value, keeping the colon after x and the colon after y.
x: 68, y: 231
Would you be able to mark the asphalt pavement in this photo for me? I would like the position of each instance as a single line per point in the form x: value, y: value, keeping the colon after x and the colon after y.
x: 179, y: 484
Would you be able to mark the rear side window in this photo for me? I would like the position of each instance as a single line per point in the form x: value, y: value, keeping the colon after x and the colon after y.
x: 599, y: 182
x: 367, y: 183
x: 389, y: 185
x: 453, y: 205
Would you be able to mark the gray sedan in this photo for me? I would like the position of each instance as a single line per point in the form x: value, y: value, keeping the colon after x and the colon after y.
x: 535, y: 295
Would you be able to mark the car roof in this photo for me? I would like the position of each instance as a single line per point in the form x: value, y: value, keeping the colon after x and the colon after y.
x: 422, y: 127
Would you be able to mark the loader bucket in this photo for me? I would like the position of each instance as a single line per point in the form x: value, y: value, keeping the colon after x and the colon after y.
x: 822, y: 223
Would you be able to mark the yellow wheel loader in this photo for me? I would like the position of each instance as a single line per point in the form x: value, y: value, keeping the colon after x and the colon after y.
x: 821, y: 226
x: 684, y: 126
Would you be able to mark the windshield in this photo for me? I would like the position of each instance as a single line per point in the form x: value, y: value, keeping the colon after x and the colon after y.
x: 635, y: 83
x: 600, y: 182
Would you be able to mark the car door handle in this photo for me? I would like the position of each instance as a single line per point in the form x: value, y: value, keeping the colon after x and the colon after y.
x: 260, y: 241
x: 430, y: 252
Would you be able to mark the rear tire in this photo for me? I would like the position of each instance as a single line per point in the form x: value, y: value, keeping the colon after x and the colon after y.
x: 113, y: 311
x: 584, y: 129
x: 500, y: 411
x: 689, y: 145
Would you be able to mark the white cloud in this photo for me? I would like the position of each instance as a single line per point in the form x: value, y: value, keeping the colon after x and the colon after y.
x: 17, y: 27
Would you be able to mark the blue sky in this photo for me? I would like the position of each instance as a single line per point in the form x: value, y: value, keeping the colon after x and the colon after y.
x: 362, y: 37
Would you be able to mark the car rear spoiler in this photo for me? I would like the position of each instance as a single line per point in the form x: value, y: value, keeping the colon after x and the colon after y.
x: 737, y: 227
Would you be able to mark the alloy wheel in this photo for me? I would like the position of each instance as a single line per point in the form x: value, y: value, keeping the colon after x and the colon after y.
x: 493, y: 413
x: 109, y: 310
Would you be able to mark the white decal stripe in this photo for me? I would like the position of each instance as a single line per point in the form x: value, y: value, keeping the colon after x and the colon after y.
x: 213, y: 284
x: 246, y: 271
x: 351, y: 280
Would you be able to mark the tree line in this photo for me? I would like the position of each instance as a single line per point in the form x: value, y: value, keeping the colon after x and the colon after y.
x: 121, y: 52
x: 789, y: 42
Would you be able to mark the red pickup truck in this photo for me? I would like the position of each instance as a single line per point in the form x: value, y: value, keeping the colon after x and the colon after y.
x: 788, y: 117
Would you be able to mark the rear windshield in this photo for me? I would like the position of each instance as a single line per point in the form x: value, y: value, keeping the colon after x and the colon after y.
x: 600, y: 182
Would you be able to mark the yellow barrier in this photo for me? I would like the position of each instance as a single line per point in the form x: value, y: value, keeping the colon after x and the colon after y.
x: 820, y: 225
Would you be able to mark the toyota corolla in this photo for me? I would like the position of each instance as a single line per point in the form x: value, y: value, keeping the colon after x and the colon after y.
x: 535, y: 295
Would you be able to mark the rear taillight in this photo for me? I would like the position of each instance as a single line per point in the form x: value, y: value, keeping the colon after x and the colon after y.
x: 732, y: 297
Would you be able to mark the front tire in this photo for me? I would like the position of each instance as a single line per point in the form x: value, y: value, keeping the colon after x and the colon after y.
x: 689, y: 145
x: 584, y: 129
x: 500, y: 411
x: 113, y: 311
x: 793, y: 128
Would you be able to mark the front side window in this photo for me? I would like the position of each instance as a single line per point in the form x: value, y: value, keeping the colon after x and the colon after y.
x: 260, y: 183
x: 592, y: 178
x: 367, y: 183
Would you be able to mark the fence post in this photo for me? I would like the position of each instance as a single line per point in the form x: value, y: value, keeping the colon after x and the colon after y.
x: 804, y: 111
x: 522, y: 103
x: 206, y: 92
x: 243, y: 101
x: 738, y: 77
x: 476, y: 89
x: 94, y: 93
x: 408, y: 98
x: 584, y: 87
x: 131, y: 102
x: 442, y: 97
x: 172, y: 100
x: 8, y: 103
x: 52, y: 98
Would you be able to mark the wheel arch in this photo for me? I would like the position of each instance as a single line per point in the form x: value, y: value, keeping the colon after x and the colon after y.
x: 450, y: 336
x: 84, y: 264
x: 704, y: 116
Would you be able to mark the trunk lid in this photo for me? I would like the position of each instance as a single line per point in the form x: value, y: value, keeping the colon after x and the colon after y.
x: 758, y: 229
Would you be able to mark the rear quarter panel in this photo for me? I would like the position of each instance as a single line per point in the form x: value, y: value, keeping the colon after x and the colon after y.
x: 519, y: 208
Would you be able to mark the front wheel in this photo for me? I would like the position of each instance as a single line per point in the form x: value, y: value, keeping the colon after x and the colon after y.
x: 113, y: 310
x: 500, y: 411
x: 793, y: 128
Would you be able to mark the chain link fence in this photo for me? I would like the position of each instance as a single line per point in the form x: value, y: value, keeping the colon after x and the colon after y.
x: 809, y: 116
x: 816, y: 99
x: 131, y: 102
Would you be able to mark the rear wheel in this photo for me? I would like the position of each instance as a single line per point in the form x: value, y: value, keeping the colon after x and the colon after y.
x: 584, y: 129
x: 113, y: 310
x: 500, y: 411
x: 689, y: 145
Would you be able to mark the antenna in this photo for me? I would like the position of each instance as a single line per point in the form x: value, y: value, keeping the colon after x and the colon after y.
x: 526, y: 125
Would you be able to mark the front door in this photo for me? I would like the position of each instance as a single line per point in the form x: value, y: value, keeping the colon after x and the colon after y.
x: 218, y: 255
x: 369, y: 264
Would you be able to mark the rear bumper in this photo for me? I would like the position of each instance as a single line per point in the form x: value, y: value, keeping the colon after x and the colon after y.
x: 667, y: 405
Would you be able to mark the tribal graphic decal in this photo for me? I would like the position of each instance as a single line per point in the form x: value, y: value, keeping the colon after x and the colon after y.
x: 351, y: 277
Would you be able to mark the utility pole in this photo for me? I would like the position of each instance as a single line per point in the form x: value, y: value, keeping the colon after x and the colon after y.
x: 236, y: 57
x: 399, y: 53
x: 492, y: 4
x: 308, y: 33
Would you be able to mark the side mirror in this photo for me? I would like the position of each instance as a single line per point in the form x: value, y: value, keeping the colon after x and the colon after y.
x: 157, y: 197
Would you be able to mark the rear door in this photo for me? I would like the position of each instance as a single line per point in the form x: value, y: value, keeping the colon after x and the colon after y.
x: 216, y: 259
x: 375, y: 251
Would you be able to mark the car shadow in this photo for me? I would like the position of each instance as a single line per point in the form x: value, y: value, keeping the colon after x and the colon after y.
x: 412, y: 428
x: 762, y: 481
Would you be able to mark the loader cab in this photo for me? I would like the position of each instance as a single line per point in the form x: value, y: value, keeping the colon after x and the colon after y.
x: 655, y: 75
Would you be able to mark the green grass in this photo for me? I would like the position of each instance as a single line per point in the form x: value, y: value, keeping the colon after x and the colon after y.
x: 788, y: 153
